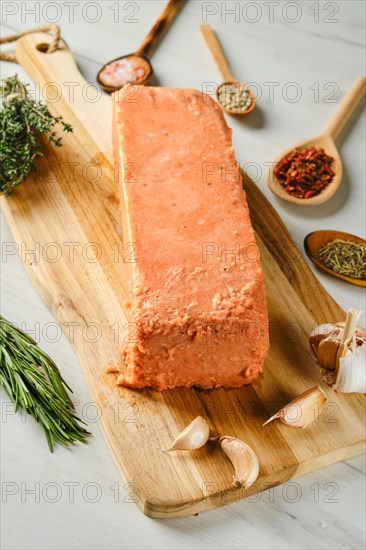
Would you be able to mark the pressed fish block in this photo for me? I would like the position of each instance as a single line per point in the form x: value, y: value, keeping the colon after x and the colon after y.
x: 197, y: 297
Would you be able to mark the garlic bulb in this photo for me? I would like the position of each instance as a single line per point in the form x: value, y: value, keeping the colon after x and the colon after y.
x: 194, y: 436
x: 303, y: 410
x: 341, y: 347
x: 244, y: 460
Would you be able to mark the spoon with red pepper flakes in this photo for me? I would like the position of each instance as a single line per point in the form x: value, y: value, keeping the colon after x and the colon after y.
x: 311, y: 172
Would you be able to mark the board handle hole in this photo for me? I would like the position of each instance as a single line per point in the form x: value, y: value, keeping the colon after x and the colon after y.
x: 42, y: 47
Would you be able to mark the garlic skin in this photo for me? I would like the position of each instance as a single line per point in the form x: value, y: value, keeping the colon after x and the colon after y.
x: 244, y: 460
x: 194, y: 436
x: 303, y: 410
x: 351, y: 376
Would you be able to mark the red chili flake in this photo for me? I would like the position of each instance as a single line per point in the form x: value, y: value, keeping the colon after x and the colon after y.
x: 304, y: 173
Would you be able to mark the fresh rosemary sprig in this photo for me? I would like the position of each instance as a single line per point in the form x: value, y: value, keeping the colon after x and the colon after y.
x: 33, y: 382
x: 22, y: 121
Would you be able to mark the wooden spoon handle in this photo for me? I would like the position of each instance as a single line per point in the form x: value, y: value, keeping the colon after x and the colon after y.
x: 161, y: 25
x: 347, y: 107
x: 217, y: 52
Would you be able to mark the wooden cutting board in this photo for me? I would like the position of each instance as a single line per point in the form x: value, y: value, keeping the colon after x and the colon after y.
x: 68, y: 213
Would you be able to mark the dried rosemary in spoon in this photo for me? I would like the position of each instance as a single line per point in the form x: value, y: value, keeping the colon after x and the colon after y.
x: 33, y: 382
x: 22, y: 121
x: 345, y: 257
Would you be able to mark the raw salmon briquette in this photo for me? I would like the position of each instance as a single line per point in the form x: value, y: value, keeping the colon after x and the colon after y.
x: 197, y: 293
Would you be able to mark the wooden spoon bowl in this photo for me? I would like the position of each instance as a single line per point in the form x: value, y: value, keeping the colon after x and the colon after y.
x: 245, y: 112
x: 325, y: 141
x: 314, y: 241
x: 109, y: 85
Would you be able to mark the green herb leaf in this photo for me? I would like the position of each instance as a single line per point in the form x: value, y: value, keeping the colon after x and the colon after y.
x: 33, y: 382
x: 22, y: 122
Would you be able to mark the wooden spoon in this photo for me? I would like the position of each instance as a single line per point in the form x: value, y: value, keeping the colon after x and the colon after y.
x: 135, y: 68
x: 325, y: 141
x: 218, y: 55
x: 314, y: 241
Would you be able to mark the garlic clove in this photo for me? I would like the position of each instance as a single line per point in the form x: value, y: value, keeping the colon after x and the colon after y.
x: 351, y: 377
x: 303, y: 410
x: 194, y: 436
x: 244, y: 460
x: 321, y: 332
x: 328, y: 351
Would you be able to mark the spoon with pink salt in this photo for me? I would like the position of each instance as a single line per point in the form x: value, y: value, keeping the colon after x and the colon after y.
x: 135, y: 68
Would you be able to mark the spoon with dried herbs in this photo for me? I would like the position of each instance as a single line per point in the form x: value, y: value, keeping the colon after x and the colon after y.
x: 33, y: 382
x: 23, y: 120
x: 338, y: 253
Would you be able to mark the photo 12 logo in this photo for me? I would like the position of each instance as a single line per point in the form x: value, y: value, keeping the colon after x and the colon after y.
x: 256, y: 12
x: 71, y: 492
x: 290, y: 91
x: 69, y: 12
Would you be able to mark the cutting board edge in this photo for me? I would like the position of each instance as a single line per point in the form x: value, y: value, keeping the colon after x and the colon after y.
x: 217, y: 500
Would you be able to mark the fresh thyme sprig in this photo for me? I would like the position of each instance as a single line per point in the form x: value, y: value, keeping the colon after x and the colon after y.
x: 33, y: 382
x: 22, y: 121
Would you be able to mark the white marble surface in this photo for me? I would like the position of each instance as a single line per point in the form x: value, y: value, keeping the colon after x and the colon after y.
x: 322, y: 50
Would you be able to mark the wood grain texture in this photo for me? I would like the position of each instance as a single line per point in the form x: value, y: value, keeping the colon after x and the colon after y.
x: 71, y: 208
